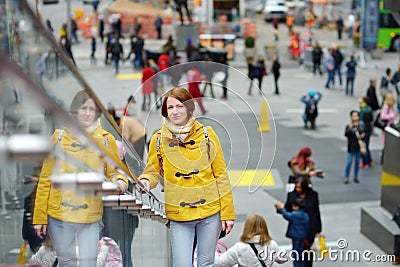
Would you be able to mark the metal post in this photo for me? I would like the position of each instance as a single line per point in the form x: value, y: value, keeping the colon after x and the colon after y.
x: 69, y: 21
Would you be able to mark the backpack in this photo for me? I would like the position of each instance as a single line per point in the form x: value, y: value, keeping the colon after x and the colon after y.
x: 311, y: 109
x: 114, y: 255
x: 396, y: 216
x: 116, y: 48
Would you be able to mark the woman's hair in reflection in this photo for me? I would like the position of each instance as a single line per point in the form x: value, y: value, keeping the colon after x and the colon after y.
x: 79, y: 99
x: 255, y: 225
x: 183, y: 96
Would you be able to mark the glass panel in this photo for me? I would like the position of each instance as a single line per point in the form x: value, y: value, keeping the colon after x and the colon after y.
x: 65, y: 158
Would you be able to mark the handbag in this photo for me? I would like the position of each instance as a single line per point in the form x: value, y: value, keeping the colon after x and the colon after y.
x: 379, y: 123
x: 319, y: 246
x: 361, y: 144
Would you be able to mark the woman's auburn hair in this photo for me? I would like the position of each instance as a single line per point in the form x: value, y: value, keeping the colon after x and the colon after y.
x: 183, y: 96
x: 79, y: 99
x: 256, y: 225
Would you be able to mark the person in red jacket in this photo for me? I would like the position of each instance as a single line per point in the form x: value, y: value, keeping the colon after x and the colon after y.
x: 194, y: 79
x: 147, y: 85
x: 163, y: 64
x: 295, y: 46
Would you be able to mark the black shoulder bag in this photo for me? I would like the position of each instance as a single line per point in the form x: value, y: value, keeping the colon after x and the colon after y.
x: 253, y: 247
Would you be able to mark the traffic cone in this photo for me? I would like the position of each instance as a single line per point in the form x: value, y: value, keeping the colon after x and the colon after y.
x: 264, y: 121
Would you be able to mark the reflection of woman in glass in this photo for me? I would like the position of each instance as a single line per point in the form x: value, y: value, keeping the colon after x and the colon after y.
x: 198, y: 196
x: 66, y: 215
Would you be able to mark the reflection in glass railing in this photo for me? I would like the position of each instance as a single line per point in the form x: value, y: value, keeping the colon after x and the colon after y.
x: 72, y: 172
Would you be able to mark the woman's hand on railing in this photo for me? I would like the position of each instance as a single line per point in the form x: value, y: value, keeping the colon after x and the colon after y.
x: 122, y: 186
x: 146, y: 184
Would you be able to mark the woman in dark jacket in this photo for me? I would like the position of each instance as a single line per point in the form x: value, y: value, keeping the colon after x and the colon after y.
x: 259, y: 71
x: 311, y: 206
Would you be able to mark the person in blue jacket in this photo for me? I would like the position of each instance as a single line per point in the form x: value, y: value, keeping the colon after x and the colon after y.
x: 311, y: 110
x: 299, y: 225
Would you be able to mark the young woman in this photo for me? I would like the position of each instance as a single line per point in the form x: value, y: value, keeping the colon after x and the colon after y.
x: 255, y: 235
x: 67, y: 216
x: 302, y: 166
x: 198, y: 196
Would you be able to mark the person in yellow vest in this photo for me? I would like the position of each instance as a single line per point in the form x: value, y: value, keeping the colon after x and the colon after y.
x: 290, y: 22
x: 310, y: 17
x: 69, y: 217
x: 63, y: 30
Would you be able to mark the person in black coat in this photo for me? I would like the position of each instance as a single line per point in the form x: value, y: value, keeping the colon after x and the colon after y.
x: 317, y: 56
x: 311, y: 206
x: 276, y: 66
x: 372, y: 98
x: 353, y: 132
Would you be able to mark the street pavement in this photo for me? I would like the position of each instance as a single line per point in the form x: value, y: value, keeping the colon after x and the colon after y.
x: 235, y: 119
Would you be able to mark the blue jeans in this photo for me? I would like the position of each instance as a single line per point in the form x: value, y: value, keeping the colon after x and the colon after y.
x: 182, y: 238
x: 339, y: 73
x: 349, y: 85
x: 63, y: 237
x: 331, y: 75
x: 298, y: 245
x: 350, y: 156
x: 116, y: 64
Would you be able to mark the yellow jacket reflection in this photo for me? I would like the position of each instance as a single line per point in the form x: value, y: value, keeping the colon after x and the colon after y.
x: 66, y: 205
x: 196, y: 181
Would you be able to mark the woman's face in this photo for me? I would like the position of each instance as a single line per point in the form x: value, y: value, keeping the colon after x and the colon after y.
x: 86, y: 113
x: 177, y: 111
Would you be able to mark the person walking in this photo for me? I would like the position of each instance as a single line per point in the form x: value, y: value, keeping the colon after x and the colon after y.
x: 317, y: 56
x: 372, y: 98
x: 260, y: 72
x: 250, y: 72
x: 68, y: 217
x: 353, y: 132
x: 386, y: 83
x: 299, y: 224
x: 158, y: 23
x: 194, y: 79
x: 311, y: 207
x: 147, y: 85
x: 329, y: 64
x: 117, y: 53
x: 254, y: 240
x: 198, y: 194
x: 311, y: 109
x: 388, y: 114
x: 366, y: 116
x: 338, y: 59
x: 93, y: 48
x: 339, y: 27
x: 276, y: 66
x: 350, y: 75
x: 303, y: 166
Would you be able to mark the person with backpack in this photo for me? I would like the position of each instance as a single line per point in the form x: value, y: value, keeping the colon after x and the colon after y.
x: 69, y: 217
x: 117, y: 53
x: 256, y: 247
x: 311, y: 110
x: 187, y: 159
x: 298, y: 228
